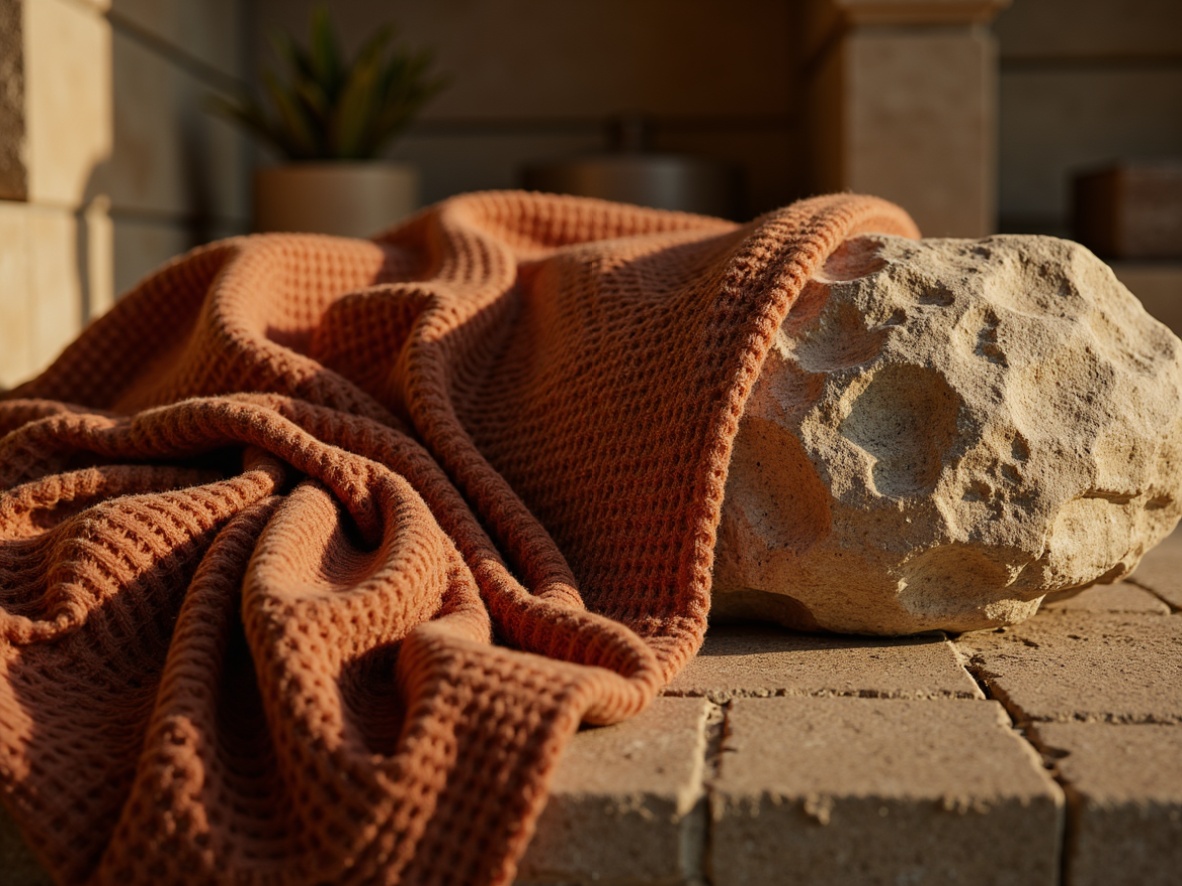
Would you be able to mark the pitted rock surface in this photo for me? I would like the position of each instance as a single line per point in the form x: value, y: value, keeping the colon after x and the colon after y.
x: 945, y: 432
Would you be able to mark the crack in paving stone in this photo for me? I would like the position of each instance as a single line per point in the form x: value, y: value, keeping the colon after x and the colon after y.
x: 715, y: 747
x: 1148, y: 588
x: 1024, y: 728
x: 1074, y: 802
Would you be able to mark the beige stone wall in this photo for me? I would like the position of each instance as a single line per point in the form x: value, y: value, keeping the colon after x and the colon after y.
x: 108, y: 165
x: 1082, y: 82
x: 121, y: 166
x: 536, y: 79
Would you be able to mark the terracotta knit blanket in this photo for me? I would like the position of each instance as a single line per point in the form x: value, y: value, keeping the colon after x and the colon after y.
x: 314, y: 552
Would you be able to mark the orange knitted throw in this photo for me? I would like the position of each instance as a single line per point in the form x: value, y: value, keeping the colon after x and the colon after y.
x: 314, y: 552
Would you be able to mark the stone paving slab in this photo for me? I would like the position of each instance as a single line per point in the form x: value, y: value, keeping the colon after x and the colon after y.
x: 1065, y: 666
x: 853, y: 790
x: 1124, y: 788
x: 751, y: 660
x: 1123, y: 596
x: 1160, y: 570
x: 624, y: 805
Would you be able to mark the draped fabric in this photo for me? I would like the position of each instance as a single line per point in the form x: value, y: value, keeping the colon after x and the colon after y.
x: 314, y: 552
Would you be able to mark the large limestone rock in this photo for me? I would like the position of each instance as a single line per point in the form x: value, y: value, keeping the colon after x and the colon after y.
x: 946, y: 431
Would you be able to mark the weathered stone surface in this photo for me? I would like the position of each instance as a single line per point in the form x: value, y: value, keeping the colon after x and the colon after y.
x: 854, y: 790
x: 625, y: 804
x: 765, y: 661
x: 1123, y: 596
x: 946, y: 431
x: 1124, y: 793
x: 1083, y: 667
x: 1161, y: 570
x: 13, y: 177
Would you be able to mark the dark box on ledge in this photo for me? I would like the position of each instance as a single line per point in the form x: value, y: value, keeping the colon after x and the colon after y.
x: 1130, y: 210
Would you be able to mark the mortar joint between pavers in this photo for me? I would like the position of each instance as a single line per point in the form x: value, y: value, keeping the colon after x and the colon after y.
x: 1024, y: 727
x: 1073, y: 801
x: 717, y: 722
x: 725, y: 696
x: 1020, y: 722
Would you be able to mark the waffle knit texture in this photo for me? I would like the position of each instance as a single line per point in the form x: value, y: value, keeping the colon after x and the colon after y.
x: 314, y: 552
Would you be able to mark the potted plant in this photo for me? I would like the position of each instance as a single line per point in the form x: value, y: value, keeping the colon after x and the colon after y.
x: 329, y: 119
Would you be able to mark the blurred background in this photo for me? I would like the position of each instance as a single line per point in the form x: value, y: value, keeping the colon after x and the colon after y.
x: 1055, y: 117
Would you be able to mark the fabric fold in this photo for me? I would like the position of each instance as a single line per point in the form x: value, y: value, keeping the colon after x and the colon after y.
x: 315, y: 552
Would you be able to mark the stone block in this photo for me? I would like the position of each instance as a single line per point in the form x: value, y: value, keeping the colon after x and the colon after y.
x: 1078, y: 666
x: 890, y: 128
x: 823, y: 20
x: 1130, y: 210
x: 1124, y: 792
x: 761, y: 661
x: 625, y: 803
x: 58, y: 282
x: 16, y: 354
x: 13, y: 178
x: 926, y: 141
x: 97, y: 233
x: 1120, y: 597
x: 880, y: 791
x: 68, y: 101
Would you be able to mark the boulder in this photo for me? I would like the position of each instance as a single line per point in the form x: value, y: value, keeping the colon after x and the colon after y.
x: 944, y: 433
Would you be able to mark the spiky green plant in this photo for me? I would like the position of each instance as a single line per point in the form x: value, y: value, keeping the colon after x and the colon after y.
x: 330, y: 108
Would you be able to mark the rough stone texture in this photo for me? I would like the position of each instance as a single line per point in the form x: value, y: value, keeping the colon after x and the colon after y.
x: 13, y: 177
x: 849, y: 790
x: 944, y: 432
x: 1124, y: 792
x: 1065, y: 666
x: 624, y: 803
x: 764, y: 661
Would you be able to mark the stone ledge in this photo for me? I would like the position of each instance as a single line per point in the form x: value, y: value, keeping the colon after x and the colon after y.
x: 624, y: 804
x: 753, y: 661
x: 1126, y: 817
x: 1065, y: 666
x: 814, y: 790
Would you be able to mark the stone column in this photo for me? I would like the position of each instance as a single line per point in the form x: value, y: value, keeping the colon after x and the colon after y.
x: 13, y: 180
x: 55, y: 130
x: 902, y: 104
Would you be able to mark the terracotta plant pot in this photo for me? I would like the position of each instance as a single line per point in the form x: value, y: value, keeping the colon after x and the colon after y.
x: 344, y: 198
